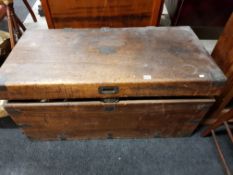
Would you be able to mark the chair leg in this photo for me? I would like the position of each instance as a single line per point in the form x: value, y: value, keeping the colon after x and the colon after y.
x: 16, y: 27
x: 30, y: 10
x: 20, y: 23
x: 10, y: 25
x: 225, y: 165
x: 224, y: 117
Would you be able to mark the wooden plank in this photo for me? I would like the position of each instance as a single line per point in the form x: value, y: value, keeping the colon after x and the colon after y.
x: 58, y: 64
x: 221, y: 119
x: 68, y: 134
x: 223, y: 50
x: 99, y: 13
x: 222, y: 54
x: 136, y: 118
x: 210, y: 121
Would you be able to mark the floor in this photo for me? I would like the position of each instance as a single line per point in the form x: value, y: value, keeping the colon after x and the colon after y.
x: 173, y: 156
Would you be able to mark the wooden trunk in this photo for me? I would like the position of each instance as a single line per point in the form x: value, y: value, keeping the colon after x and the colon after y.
x: 102, y: 13
x: 109, y: 83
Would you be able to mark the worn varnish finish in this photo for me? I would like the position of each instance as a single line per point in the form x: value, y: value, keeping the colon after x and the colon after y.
x: 109, y: 83
x: 151, y: 61
x: 135, y: 118
x: 102, y: 13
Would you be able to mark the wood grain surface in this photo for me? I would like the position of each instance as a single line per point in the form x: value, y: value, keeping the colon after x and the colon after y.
x: 102, y: 13
x: 95, y: 119
x: 139, y: 62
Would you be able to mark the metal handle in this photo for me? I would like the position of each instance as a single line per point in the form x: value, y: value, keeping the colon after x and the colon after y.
x: 108, y: 89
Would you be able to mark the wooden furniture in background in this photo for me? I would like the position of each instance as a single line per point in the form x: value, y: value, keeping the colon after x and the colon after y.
x: 101, y: 13
x: 30, y: 10
x: 109, y: 83
x: 223, y: 56
x: 222, y: 111
x: 206, y: 17
x: 14, y: 23
x: 15, y: 26
x: 5, y: 46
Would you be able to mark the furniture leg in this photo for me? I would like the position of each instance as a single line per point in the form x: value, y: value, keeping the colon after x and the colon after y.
x: 30, y: 10
x: 10, y: 25
x: 226, y: 167
x: 224, y: 117
x: 20, y: 23
x: 228, y: 131
x: 16, y: 26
